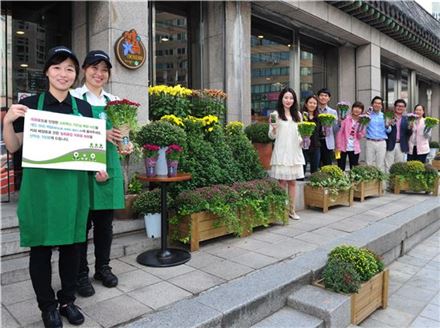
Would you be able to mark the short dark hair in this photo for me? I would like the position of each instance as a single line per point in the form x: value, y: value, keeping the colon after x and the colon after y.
x: 58, y: 59
x: 375, y: 98
x: 359, y: 105
x: 324, y: 90
x: 399, y: 101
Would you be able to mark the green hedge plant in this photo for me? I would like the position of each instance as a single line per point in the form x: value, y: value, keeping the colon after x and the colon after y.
x: 258, y: 132
x: 420, y: 177
x: 366, y: 173
x: 161, y: 133
x: 149, y: 202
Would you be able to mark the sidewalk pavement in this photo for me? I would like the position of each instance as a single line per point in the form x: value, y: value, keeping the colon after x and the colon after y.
x: 414, y: 291
x: 144, y: 289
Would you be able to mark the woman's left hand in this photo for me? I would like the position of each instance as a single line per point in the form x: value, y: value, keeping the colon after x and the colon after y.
x: 101, y: 176
x: 114, y: 136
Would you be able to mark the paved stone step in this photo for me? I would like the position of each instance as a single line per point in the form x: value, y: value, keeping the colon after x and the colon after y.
x: 331, y: 307
x: 288, y: 317
x: 11, y: 237
x: 16, y: 269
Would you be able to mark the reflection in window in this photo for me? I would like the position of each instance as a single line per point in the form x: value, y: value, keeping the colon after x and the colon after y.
x: 312, y: 73
x: 391, y: 97
x: 404, y: 85
x: 270, y: 61
x: 171, y: 43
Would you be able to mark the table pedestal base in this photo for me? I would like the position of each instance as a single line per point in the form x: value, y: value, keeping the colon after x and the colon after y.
x: 167, y: 258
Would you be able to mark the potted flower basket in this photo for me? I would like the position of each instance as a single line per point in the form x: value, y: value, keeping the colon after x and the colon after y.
x: 328, y: 187
x: 361, y: 274
x: 414, y: 176
x: 258, y: 135
x: 367, y: 181
x: 306, y: 130
x: 163, y: 134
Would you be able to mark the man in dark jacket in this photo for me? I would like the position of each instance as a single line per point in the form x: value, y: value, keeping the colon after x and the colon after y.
x: 397, y: 142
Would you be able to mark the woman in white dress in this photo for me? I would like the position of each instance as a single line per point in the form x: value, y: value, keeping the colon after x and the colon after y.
x: 287, y: 156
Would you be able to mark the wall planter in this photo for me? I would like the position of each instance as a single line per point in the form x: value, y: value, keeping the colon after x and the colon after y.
x: 403, y: 185
x: 264, y: 151
x: 126, y: 213
x: 368, y: 188
x: 321, y: 197
x: 372, y: 295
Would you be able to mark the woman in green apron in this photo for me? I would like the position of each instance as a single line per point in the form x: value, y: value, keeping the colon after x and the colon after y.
x: 104, y: 197
x: 53, y: 204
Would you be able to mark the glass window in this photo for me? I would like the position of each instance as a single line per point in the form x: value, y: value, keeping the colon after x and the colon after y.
x: 312, y: 72
x: 171, y: 39
x: 404, y: 85
x: 270, y: 62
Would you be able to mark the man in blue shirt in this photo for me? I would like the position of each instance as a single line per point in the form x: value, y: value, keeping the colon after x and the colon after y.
x: 327, y: 142
x: 376, y: 136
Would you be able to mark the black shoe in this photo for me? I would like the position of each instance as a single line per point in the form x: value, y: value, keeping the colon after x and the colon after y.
x: 105, y: 275
x: 71, y: 312
x: 84, y: 286
x: 52, y: 319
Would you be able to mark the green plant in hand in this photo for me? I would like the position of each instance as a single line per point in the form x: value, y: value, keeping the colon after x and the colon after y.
x: 122, y: 112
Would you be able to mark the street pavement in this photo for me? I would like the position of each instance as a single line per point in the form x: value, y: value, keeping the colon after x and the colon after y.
x: 414, y: 286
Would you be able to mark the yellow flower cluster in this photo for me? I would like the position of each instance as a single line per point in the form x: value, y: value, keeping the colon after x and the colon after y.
x: 208, y: 122
x: 235, y: 125
x: 177, y: 90
x: 173, y: 119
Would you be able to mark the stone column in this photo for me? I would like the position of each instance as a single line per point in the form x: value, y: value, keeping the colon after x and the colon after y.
x: 347, y: 74
x: 368, y: 73
x: 435, y: 109
x: 106, y: 23
x: 238, y: 61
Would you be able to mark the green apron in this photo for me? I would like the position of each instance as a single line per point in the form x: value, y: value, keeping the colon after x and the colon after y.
x: 109, y: 194
x: 54, y: 204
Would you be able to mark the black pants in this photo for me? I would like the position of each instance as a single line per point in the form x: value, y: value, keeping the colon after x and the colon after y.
x: 416, y: 157
x: 352, y: 158
x: 326, y: 154
x: 102, y: 239
x: 40, y: 270
x: 312, y: 156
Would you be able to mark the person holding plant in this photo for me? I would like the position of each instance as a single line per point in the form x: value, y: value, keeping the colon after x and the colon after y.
x: 419, y: 140
x: 105, y: 198
x: 287, y: 158
x: 54, y: 204
x: 376, y: 135
x: 327, y: 140
x: 349, y: 136
x: 310, y: 114
x: 398, y: 136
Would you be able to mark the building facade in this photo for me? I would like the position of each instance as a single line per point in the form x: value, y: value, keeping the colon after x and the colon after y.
x: 357, y: 49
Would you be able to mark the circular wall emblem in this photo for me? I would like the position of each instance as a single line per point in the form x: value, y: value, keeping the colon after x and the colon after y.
x: 130, y: 50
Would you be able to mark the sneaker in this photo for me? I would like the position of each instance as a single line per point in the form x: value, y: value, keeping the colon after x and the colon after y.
x: 84, y: 286
x: 105, y: 275
x: 293, y: 215
x: 52, y: 319
x: 71, y: 312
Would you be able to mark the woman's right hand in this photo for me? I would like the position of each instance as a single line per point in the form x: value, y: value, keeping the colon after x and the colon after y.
x: 15, y: 111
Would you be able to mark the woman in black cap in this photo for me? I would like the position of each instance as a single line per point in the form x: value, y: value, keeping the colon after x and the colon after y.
x: 53, y: 204
x: 104, y: 197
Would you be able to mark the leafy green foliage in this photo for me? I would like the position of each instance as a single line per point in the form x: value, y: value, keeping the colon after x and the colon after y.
x: 166, y: 104
x: 366, y: 173
x: 122, y: 112
x: 341, y: 277
x: 134, y: 186
x: 334, y: 185
x: 333, y: 170
x: 434, y: 144
x: 258, y: 132
x: 420, y: 177
x: 149, y: 202
x: 365, y: 262
x: 208, y: 102
x: 161, y: 133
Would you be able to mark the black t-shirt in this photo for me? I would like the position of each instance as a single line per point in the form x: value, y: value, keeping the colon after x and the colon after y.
x: 51, y: 104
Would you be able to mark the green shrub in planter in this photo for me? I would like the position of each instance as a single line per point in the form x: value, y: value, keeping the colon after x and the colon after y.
x: 365, y: 262
x: 149, y: 202
x: 333, y: 183
x: 258, y: 132
x: 366, y: 173
x: 420, y: 177
x: 161, y: 133
x: 333, y: 170
x: 434, y: 144
x: 341, y: 277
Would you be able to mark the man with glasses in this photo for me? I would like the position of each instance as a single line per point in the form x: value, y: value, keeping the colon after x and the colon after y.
x: 397, y: 142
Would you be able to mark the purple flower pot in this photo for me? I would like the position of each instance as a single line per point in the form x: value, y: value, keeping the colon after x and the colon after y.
x: 150, y: 166
x: 172, y: 167
x: 306, y: 142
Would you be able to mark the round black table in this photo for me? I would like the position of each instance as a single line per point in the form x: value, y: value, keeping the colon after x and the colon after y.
x: 164, y: 257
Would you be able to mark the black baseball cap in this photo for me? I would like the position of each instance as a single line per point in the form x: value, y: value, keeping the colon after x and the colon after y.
x: 96, y: 56
x: 325, y: 90
x: 59, y: 50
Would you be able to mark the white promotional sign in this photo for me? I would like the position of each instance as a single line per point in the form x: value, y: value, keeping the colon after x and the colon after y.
x: 60, y: 141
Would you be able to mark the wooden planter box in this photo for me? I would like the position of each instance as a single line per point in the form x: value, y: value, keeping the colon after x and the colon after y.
x: 201, y: 226
x: 399, y: 186
x: 264, y: 151
x: 319, y: 197
x: 368, y: 188
x: 372, y: 295
x: 127, y: 212
x: 436, y: 163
